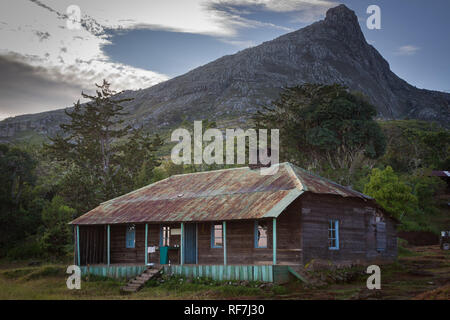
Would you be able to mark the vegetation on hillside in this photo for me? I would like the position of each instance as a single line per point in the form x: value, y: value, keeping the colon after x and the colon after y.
x: 331, y: 131
x: 325, y: 129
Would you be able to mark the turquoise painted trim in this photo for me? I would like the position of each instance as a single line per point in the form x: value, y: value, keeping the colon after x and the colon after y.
x: 78, y: 245
x: 109, y: 245
x: 146, y: 244
x: 262, y: 273
x: 130, y: 238
x: 113, y: 271
x: 224, y: 234
x: 337, y: 234
x: 335, y: 227
x: 182, y: 244
x: 274, y: 236
x: 281, y: 205
x: 295, y: 274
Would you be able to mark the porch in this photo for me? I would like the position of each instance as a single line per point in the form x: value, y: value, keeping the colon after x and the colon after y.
x: 225, y: 250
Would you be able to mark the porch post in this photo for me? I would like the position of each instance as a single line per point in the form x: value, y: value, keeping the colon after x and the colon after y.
x: 182, y: 244
x: 274, y: 235
x: 108, y: 229
x: 224, y: 230
x: 146, y: 244
x: 78, y: 245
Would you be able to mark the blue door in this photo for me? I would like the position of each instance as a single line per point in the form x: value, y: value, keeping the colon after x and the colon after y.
x: 190, y: 242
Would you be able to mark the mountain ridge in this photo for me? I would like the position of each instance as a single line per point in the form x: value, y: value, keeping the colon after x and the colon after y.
x: 332, y: 50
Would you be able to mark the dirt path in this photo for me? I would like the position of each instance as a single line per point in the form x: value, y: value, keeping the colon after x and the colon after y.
x: 423, y: 274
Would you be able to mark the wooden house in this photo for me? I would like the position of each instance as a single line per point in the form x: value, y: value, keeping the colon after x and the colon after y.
x: 234, y: 224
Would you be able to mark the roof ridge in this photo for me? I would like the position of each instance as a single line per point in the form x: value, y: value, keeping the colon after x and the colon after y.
x: 291, y: 171
x: 220, y: 194
x: 206, y: 171
x: 224, y: 169
x: 329, y: 181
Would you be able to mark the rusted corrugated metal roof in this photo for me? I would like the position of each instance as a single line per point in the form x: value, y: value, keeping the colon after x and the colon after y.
x: 229, y: 194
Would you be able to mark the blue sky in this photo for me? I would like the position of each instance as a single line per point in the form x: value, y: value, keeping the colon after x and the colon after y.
x: 44, y: 64
x: 420, y: 27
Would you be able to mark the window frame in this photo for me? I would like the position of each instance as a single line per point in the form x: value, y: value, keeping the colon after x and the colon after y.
x: 256, y: 239
x: 381, y: 236
x: 213, y: 236
x: 130, y: 229
x: 161, y: 235
x: 333, y: 225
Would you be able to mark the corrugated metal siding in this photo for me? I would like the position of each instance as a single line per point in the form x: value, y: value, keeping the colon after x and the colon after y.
x: 240, y: 193
x: 223, y: 272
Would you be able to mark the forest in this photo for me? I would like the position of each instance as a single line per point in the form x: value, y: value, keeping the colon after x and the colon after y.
x: 326, y: 129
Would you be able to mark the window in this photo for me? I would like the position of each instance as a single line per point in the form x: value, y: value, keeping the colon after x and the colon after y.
x: 333, y: 235
x: 164, y: 236
x: 381, y: 236
x: 260, y: 234
x: 216, y: 235
x: 130, y: 236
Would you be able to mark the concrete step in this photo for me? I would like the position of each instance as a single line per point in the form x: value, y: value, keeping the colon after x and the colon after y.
x: 138, y: 282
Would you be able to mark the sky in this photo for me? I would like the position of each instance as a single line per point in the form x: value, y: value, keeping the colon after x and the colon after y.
x: 47, y: 58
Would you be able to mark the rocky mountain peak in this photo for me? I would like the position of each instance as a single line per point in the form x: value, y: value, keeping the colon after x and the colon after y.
x: 345, y: 22
x: 231, y: 88
x: 341, y: 15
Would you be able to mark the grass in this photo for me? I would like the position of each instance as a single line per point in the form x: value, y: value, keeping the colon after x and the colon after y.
x: 419, y: 273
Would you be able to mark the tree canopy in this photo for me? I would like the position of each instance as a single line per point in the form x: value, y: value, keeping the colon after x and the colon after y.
x: 103, y: 156
x: 324, y: 125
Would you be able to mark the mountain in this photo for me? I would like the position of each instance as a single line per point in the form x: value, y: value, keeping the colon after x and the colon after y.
x: 231, y: 88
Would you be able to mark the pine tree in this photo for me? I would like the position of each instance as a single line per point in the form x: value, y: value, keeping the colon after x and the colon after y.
x: 100, y: 150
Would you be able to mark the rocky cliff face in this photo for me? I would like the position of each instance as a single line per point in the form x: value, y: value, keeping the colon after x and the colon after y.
x: 333, y: 50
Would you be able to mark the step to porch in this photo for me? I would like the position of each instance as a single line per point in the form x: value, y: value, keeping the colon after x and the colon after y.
x: 137, y: 283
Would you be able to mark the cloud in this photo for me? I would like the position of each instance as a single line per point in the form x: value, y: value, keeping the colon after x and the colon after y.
x: 37, y: 42
x: 407, y: 50
x: 25, y: 89
x: 300, y: 11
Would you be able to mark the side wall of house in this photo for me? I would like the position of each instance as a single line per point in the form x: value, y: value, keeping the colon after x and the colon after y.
x: 357, y: 230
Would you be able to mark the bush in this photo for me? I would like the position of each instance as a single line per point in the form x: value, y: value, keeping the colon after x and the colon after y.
x: 56, y: 238
x: 30, y: 248
x: 392, y: 194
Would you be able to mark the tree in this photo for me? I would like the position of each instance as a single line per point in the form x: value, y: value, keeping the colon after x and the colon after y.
x: 139, y: 159
x: 18, y: 218
x: 103, y: 154
x: 324, y: 126
x: 415, y: 144
x: 55, y: 217
x: 17, y: 171
x: 89, y: 136
x: 392, y: 194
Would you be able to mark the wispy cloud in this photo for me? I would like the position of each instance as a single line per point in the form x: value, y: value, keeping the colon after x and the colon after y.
x: 407, y: 50
x: 36, y: 41
x: 34, y: 33
x: 300, y: 11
